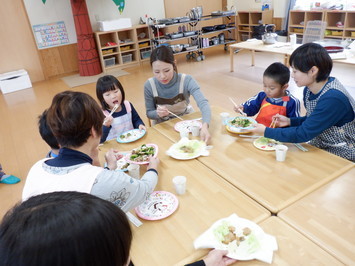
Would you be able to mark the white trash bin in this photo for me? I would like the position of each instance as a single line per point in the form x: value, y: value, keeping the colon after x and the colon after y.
x: 14, y: 81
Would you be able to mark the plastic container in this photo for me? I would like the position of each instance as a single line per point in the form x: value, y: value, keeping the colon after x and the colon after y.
x: 145, y: 54
x: 111, y: 61
x: 126, y: 58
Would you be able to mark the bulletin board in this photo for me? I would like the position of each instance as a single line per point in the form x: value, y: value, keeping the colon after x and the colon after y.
x: 52, y: 23
x: 50, y: 34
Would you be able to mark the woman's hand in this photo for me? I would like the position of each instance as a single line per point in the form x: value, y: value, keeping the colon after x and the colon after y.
x: 218, y: 258
x: 205, y: 134
x: 281, y: 121
x: 153, y: 163
x: 111, y: 159
x: 108, y: 121
x: 162, y: 111
x: 142, y: 127
x: 258, y: 128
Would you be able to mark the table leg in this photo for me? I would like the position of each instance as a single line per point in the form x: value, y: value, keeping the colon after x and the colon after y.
x: 253, y: 57
x: 231, y: 52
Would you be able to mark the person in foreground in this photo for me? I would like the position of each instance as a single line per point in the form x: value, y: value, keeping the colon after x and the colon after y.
x: 110, y: 93
x: 329, y: 123
x: 76, y: 121
x: 71, y: 228
x: 169, y: 92
x: 47, y: 135
x: 274, y: 99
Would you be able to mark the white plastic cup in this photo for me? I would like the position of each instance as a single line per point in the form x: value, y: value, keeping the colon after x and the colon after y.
x: 293, y: 40
x: 281, y: 151
x: 195, y: 130
x: 184, y: 133
x: 133, y: 171
x: 224, y: 117
x: 180, y: 184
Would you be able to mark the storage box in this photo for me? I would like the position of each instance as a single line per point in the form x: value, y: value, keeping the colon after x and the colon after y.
x: 145, y: 54
x: 126, y: 58
x: 14, y: 81
x: 116, y: 24
x: 126, y: 48
x: 108, y: 51
x: 245, y: 37
x: 111, y: 61
x: 337, y: 33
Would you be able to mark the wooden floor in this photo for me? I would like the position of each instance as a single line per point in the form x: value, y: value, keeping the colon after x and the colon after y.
x: 21, y: 145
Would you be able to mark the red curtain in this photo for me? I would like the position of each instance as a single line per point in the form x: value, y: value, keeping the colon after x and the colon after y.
x: 89, y: 62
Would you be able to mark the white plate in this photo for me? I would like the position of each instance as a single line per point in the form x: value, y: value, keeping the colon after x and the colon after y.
x: 130, y: 136
x: 199, y: 149
x: 246, y: 250
x: 159, y: 205
x: 237, y: 129
x: 187, y: 124
x: 266, y: 144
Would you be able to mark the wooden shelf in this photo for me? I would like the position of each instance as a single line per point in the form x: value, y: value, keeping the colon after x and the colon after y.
x: 299, y: 19
x: 251, y: 19
x: 122, y: 38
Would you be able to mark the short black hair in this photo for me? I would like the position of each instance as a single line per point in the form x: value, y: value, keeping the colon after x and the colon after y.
x: 65, y: 228
x: 105, y: 84
x: 312, y: 54
x: 45, y: 131
x: 278, y: 72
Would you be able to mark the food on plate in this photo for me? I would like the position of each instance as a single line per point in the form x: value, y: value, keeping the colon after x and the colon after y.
x: 123, y: 136
x: 186, y: 149
x: 142, y: 153
x: 266, y: 143
x: 235, y: 238
x: 131, y: 135
x: 241, y: 122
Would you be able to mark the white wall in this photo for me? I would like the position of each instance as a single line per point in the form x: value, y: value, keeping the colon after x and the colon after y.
x: 279, y: 6
x: 60, y: 10
x: 134, y: 9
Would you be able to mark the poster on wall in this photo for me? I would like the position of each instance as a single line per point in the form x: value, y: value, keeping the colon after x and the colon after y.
x: 50, y: 34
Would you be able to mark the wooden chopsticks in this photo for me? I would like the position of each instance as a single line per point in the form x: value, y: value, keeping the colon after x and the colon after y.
x: 174, y: 115
x: 112, y: 111
x: 236, y: 106
x: 273, y: 123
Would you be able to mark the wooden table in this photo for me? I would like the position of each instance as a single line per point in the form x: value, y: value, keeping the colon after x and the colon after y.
x: 327, y: 217
x: 277, y: 48
x: 208, y: 198
x: 275, y: 185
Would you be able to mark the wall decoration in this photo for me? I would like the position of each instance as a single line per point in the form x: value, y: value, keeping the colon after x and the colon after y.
x: 120, y: 4
x: 50, y: 34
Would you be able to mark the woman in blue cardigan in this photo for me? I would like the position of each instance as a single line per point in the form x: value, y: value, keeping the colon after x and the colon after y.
x: 329, y: 123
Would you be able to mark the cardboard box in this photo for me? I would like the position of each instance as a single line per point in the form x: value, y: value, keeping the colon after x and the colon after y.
x: 116, y: 24
x: 14, y: 81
